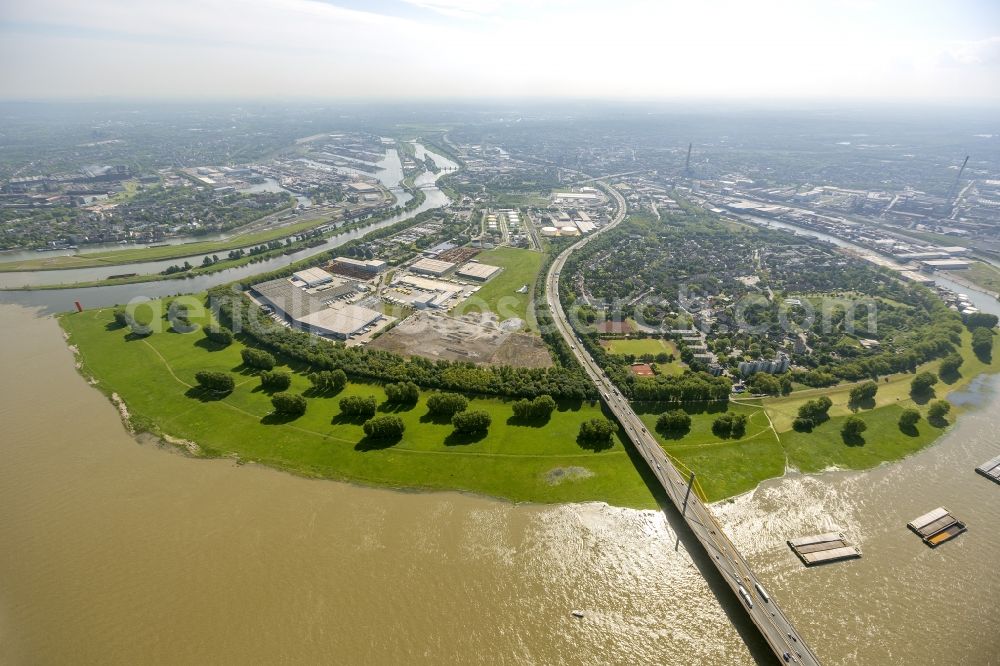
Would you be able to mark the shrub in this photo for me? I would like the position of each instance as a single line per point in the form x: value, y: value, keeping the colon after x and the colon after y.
x: 447, y: 404
x: 215, y: 381
x: 219, y: 335
x: 468, y: 423
x: 597, y: 430
x: 257, y: 358
x: 289, y: 403
x: 384, y: 427
x: 676, y: 420
x: 275, y: 380
x: 356, y: 405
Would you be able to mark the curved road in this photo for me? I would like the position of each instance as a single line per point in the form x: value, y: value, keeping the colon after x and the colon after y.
x: 763, y: 610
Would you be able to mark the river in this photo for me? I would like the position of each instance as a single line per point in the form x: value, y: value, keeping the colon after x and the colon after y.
x: 122, y: 553
x: 118, y: 552
x: 62, y: 299
x: 390, y: 174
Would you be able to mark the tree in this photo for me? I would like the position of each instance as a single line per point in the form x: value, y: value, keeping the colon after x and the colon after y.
x: 447, y: 404
x: 329, y: 380
x: 388, y: 426
x: 221, y: 382
x: 675, y: 420
x: 803, y: 424
x: 762, y: 382
x: 853, y: 427
x: 257, y: 358
x: 356, y: 405
x: 275, y: 380
x: 219, y: 335
x: 730, y: 425
x: 864, y: 392
x: 816, y: 410
x: 981, y: 320
x: 402, y: 392
x: 470, y: 423
x: 950, y: 365
x: 909, y: 418
x: 982, y: 342
x: 122, y: 318
x: 938, y: 410
x: 922, y: 383
x: 598, y: 429
x: 289, y: 403
x: 540, y: 408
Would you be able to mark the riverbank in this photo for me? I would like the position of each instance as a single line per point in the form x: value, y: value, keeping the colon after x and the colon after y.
x: 770, y: 445
x: 537, y: 462
x: 194, y: 561
x: 153, y: 377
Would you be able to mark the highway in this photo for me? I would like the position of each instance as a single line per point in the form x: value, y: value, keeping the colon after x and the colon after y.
x: 763, y: 610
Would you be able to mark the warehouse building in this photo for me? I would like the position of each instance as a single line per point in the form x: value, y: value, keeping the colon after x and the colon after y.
x: 477, y: 271
x: 340, y: 321
x: 312, y: 312
x: 313, y: 277
x: 431, y: 266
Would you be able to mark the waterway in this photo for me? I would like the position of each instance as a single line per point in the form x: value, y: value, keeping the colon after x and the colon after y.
x: 63, y: 299
x: 982, y: 300
x: 118, y: 552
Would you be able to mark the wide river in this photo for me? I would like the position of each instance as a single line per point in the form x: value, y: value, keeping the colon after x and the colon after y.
x: 118, y: 552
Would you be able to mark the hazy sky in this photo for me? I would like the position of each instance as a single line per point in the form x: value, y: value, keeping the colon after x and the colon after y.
x: 943, y: 50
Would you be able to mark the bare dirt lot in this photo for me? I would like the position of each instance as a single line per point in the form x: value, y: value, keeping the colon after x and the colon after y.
x: 438, y: 336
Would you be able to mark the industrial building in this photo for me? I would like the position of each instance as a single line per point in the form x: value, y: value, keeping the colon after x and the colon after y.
x: 945, y: 264
x: 319, y: 314
x: 434, y: 267
x: 313, y: 277
x: 477, y: 271
x: 340, y: 321
x: 371, y: 266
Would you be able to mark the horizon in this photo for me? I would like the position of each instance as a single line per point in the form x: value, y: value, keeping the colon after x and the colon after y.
x: 348, y: 51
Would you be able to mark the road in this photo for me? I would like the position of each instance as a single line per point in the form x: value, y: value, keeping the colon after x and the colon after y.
x: 764, y: 612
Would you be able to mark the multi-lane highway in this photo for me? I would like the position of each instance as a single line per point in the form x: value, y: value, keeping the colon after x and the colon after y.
x: 762, y: 609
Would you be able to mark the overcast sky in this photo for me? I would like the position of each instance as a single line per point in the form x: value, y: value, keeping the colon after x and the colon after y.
x: 937, y: 50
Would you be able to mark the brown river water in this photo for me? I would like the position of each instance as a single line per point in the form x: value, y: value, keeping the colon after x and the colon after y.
x: 118, y: 552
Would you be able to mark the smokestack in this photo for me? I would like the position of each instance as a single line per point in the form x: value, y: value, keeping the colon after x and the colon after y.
x: 687, y: 162
x: 79, y: 308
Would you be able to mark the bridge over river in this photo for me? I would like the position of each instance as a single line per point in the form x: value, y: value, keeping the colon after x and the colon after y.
x: 763, y: 610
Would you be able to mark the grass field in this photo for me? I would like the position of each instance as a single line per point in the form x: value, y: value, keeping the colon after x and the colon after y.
x: 726, y: 467
x: 499, y: 295
x: 640, y: 346
x: 141, y: 254
x: 981, y: 273
x: 538, y: 463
